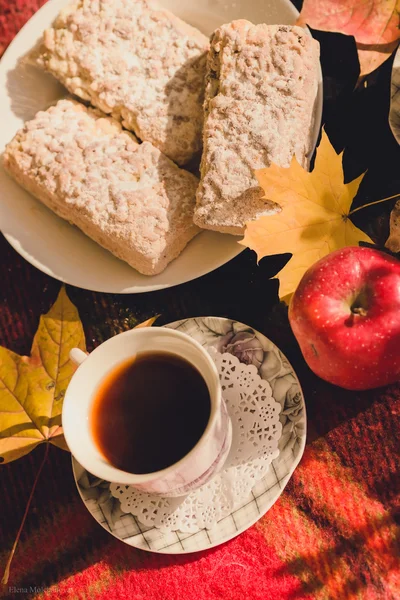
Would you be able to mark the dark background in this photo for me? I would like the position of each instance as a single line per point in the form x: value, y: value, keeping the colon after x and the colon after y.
x: 356, y: 120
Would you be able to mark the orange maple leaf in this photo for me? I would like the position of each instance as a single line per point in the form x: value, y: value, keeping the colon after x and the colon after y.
x: 375, y: 25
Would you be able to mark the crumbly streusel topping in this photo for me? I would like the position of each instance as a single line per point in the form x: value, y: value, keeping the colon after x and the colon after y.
x: 261, y: 88
x: 146, y: 67
x: 90, y: 164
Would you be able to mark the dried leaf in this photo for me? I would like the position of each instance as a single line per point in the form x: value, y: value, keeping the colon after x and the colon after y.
x: 32, y: 390
x: 147, y: 323
x: 373, y: 23
x: 314, y: 217
x: 393, y: 241
x: 32, y: 387
x: 372, y: 56
x: 286, y: 299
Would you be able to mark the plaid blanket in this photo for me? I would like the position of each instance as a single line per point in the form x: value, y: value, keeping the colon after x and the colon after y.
x: 332, y: 535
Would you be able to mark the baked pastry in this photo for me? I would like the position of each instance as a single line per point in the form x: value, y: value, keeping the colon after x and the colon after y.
x: 143, y: 66
x: 128, y: 197
x: 261, y: 88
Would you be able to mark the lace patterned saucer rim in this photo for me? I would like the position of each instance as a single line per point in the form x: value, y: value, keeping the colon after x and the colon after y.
x: 256, y: 429
x: 126, y: 527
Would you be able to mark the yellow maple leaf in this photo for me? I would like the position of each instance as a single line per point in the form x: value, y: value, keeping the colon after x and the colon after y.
x: 32, y: 390
x: 32, y: 387
x: 314, y: 219
x: 147, y: 323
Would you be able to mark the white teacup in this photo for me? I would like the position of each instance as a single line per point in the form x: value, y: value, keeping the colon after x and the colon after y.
x: 205, y: 459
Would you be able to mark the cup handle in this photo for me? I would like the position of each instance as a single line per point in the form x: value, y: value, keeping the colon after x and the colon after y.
x: 77, y: 356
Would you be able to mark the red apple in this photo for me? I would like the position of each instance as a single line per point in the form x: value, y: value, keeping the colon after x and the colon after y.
x: 345, y: 315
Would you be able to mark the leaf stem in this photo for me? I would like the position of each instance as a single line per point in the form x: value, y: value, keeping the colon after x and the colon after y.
x: 372, y: 203
x: 6, y: 574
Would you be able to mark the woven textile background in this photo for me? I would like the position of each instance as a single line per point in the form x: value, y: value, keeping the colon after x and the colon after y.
x: 334, y: 533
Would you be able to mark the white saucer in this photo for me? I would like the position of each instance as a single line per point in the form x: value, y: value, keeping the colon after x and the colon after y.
x: 274, y: 367
x: 50, y: 243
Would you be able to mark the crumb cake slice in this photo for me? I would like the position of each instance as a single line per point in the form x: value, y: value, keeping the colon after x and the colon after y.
x: 128, y: 197
x: 261, y: 88
x: 142, y: 65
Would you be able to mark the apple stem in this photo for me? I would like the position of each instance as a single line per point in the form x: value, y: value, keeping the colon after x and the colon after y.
x: 6, y: 574
x: 372, y: 204
x: 359, y: 310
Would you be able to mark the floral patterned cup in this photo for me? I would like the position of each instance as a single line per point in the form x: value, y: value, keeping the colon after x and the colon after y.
x: 205, y: 459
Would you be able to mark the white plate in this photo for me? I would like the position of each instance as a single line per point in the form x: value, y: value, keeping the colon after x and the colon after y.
x: 51, y: 244
x: 274, y: 368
